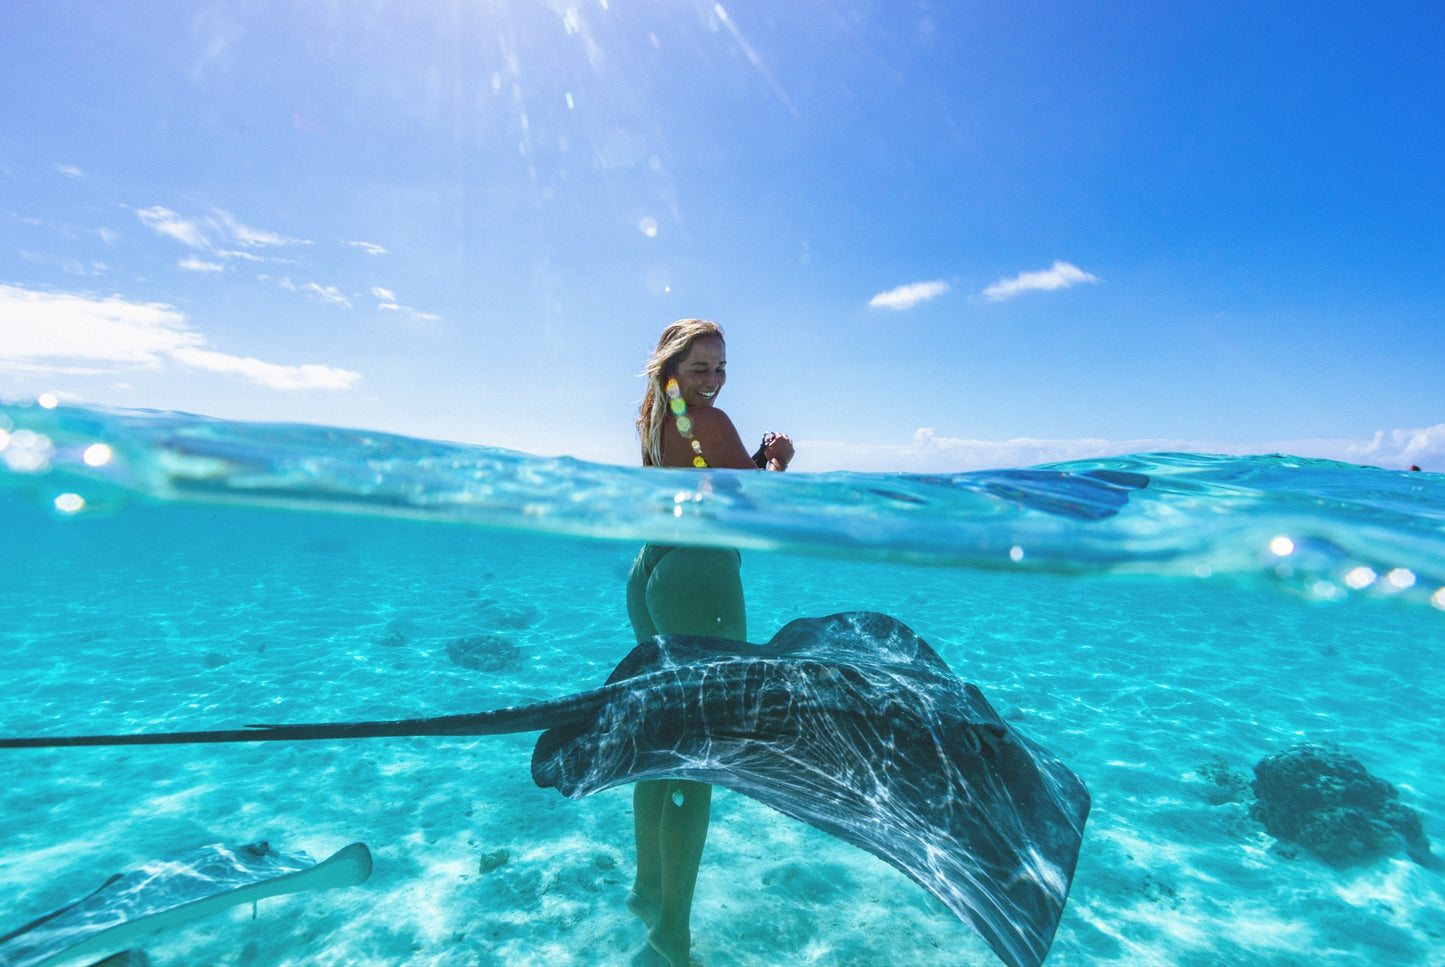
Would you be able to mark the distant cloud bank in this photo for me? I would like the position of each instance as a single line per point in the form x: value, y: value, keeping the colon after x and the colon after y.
x: 908, y: 296
x: 64, y: 332
x: 1060, y: 275
x: 1424, y: 448
x: 927, y: 452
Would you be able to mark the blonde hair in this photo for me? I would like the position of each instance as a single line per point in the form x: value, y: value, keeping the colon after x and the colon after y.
x: 676, y: 341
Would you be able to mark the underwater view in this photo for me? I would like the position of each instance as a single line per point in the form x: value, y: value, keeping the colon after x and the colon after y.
x: 1161, y: 627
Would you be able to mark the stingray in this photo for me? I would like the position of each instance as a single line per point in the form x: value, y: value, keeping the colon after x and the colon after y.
x: 163, y: 893
x: 850, y: 723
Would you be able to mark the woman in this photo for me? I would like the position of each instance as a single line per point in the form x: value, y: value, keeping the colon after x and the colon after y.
x: 684, y: 591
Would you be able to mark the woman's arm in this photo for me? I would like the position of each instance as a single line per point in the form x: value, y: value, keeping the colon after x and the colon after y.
x: 779, y: 451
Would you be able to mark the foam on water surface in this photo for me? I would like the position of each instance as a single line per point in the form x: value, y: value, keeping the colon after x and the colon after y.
x: 1139, y: 645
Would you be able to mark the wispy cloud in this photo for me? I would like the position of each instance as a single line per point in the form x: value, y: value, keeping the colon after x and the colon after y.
x: 253, y: 237
x: 306, y: 376
x: 371, y: 248
x: 65, y: 332
x: 211, y: 233
x: 70, y: 171
x: 386, y: 302
x: 193, y: 264
x: 908, y: 296
x: 163, y: 221
x: 326, y: 293
x: 1060, y: 275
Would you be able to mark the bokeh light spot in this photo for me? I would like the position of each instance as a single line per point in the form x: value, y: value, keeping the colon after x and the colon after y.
x: 1282, y: 546
x: 648, y: 226
x: 96, y: 455
x: 28, y: 452
x: 69, y: 503
x: 48, y: 400
x: 1401, y: 578
x: 1016, y: 553
x: 1360, y: 578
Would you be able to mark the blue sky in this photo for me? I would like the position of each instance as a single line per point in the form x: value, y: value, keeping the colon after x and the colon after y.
x: 940, y: 236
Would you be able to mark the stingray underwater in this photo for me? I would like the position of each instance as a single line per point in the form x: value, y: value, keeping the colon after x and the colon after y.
x: 850, y: 723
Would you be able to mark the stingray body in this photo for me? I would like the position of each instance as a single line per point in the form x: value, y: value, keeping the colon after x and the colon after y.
x: 850, y: 723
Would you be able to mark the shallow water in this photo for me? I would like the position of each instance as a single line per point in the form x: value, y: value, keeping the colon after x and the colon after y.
x: 1135, y: 638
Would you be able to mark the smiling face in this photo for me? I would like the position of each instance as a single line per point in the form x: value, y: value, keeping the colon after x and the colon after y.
x: 702, y: 371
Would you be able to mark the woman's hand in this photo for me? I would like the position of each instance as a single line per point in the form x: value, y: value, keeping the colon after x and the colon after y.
x: 779, y: 452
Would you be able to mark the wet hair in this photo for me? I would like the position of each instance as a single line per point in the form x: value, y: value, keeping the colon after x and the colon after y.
x: 675, y: 343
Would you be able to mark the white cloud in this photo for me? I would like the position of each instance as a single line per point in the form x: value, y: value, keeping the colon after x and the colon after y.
x: 908, y: 296
x: 308, y: 376
x: 371, y: 248
x: 70, y: 171
x: 206, y: 234
x: 166, y: 222
x: 1060, y: 275
x: 327, y: 293
x: 253, y: 237
x: 1425, y: 448
x: 68, y: 333
x: 193, y: 264
x: 388, y: 303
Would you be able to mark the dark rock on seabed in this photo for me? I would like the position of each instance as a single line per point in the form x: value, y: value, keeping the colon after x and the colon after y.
x: 484, y: 653
x: 1326, y: 801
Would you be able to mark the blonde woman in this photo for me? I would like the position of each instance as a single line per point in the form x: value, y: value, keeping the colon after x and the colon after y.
x: 684, y: 591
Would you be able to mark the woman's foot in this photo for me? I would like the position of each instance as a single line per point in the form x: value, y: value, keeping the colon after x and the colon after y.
x: 645, y: 908
x: 675, y: 947
x: 647, y: 957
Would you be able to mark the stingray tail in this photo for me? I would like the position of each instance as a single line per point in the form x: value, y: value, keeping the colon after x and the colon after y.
x: 572, y: 710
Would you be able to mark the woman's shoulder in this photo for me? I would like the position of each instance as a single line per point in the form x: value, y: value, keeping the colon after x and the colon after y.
x: 709, y: 418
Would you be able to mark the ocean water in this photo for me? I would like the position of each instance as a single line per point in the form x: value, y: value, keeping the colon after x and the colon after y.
x: 195, y: 574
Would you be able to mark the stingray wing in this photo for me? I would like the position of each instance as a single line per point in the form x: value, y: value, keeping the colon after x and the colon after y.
x: 867, y: 744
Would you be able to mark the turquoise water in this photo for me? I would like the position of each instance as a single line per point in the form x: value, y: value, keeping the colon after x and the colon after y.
x: 211, y: 574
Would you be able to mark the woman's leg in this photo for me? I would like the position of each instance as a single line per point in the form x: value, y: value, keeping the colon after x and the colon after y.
x: 686, y: 808
x: 645, y: 900
x: 687, y: 591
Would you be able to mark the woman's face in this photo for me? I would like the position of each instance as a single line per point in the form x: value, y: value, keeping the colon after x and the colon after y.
x: 702, y: 371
